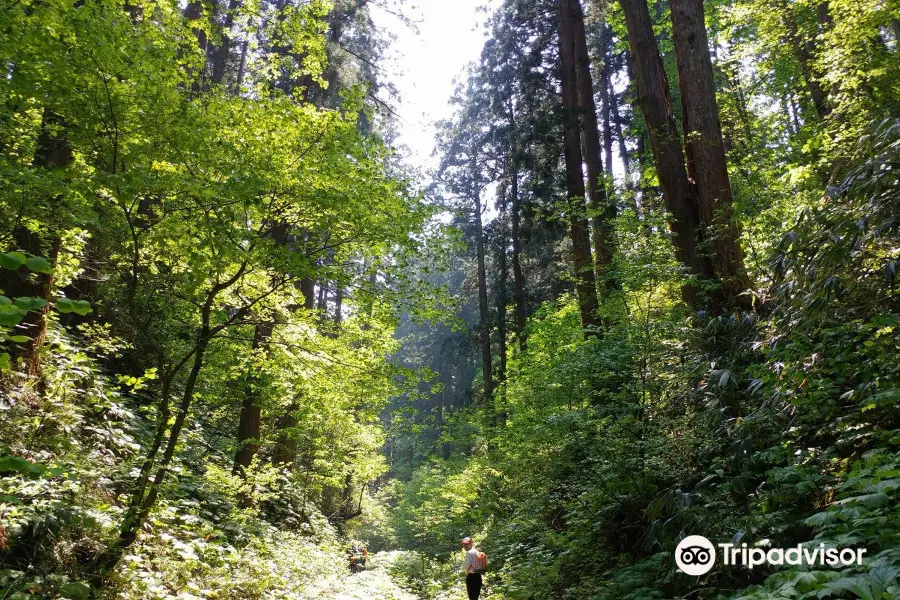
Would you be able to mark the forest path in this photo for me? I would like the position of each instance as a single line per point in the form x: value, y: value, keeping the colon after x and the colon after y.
x: 375, y: 583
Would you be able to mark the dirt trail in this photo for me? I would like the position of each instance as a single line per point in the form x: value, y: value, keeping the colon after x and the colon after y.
x: 374, y: 583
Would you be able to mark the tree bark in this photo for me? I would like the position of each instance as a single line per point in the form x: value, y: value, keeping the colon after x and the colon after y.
x: 823, y: 14
x: 804, y: 58
x: 604, y: 211
x: 518, y: 276
x: 501, y: 294
x: 483, y: 309
x: 439, y: 422
x: 793, y: 110
x: 285, y: 452
x: 242, y: 67
x: 706, y: 160
x: 308, y: 289
x: 655, y: 102
x: 607, y: 98
x: 446, y: 400
x: 516, y: 234
x: 322, y: 302
x: 338, y: 304
x: 192, y: 12
x: 618, y: 120
x: 221, y: 53
x: 585, y: 282
x: 249, y: 428
x: 53, y: 151
x: 647, y: 191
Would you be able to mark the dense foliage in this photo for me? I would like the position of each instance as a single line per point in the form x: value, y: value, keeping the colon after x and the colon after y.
x: 650, y: 292
x: 199, y: 413
x: 766, y: 421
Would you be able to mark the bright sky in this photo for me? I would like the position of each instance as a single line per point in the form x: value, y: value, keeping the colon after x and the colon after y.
x: 423, y: 65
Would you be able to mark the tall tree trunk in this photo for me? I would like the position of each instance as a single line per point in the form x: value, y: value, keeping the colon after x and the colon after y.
x: 285, y: 452
x: 443, y: 446
x: 250, y: 422
x: 737, y: 89
x: 368, y: 307
x: 220, y: 54
x: 483, y: 309
x: 803, y: 54
x: 655, y: 102
x: 518, y: 276
x: 515, y: 218
x: 53, y: 151
x: 446, y: 400
x: 338, y: 303
x: 794, y: 111
x: 501, y: 305
x: 641, y: 206
x: 585, y: 282
x: 242, y: 67
x: 823, y: 14
x: 647, y: 191
x: 308, y: 289
x: 604, y: 210
x: 192, y: 12
x: 707, y: 164
x: 618, y: 121
x: 606, y: 98
x: 322, y: 302
x: 249, y: 428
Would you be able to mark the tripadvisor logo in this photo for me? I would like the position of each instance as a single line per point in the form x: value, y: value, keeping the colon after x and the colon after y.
x: 696, y: 555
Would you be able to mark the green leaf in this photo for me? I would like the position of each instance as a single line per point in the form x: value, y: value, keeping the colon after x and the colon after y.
x: 76, y: 590
x: 869, y: 500
x: 64, y: 305
x: 27, y: 303
x: 11, y: 318
x: 82, y: 307
x: 39, y: 264
x: 12, y: 260
x: 4, y: 361
x: 18, y: 464
x: 4, y: 301
x: 19, y: 339
x: 723, y: 379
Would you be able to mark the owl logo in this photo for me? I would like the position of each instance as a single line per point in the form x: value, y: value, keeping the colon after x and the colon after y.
x: 695, y: 555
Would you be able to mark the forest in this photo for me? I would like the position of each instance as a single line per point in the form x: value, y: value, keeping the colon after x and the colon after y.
x: 648, y: 291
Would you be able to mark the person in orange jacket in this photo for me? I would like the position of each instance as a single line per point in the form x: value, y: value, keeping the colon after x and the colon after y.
x: 473, y: 566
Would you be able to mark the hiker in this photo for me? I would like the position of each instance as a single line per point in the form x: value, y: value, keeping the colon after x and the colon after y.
x: 357, y: 555
x: 474, y: 565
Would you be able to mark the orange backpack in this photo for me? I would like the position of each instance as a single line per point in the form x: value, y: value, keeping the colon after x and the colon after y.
x: 481, y: 562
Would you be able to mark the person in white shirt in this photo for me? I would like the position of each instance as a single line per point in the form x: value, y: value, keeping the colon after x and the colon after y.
x: 473, y: 578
